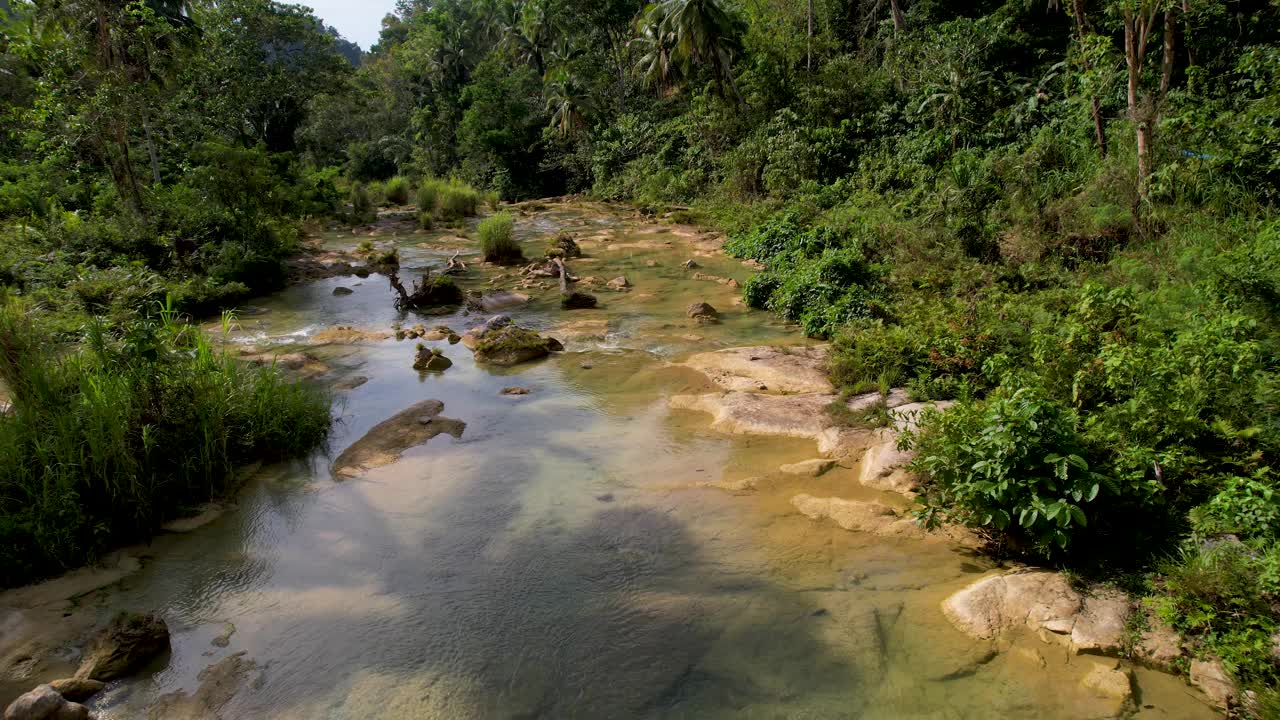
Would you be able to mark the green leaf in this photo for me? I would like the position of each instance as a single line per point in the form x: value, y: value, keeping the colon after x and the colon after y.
x: 1093, y: 493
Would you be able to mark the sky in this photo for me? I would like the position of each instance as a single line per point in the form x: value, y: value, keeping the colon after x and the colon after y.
x: 358, y: 21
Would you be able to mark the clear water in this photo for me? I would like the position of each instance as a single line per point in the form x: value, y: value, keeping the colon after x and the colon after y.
x: 560, y: 560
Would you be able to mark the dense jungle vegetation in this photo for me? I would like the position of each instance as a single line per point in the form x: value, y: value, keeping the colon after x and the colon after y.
x: 1060, y: 215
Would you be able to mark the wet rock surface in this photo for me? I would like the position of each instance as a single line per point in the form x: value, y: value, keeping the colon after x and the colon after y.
x: 1041, y: 601
x: 384, y: 443
x: 44, y: 703
x: 500, y: 342
x: 130, y: 642
x: 780, y: 370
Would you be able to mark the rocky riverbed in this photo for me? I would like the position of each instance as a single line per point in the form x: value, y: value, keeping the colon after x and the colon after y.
x: 653, y: 516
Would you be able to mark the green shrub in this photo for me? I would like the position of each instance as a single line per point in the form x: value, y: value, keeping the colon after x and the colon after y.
x: 397, y: 190
x: 1012, y: 464
x: 361, y: 203
x: 428, y: 196
x: 497, y: 242
x: 457, y: 200
x: 106, y: 442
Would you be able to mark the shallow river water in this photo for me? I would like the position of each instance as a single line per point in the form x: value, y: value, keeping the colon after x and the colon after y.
x: 561, y: 559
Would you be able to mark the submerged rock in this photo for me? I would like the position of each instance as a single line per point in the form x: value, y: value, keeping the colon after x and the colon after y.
x: 741, y: 413
x: 218, y: 684
x: 578, y: 301
x: 789, y: 370
x: 808, y: 468
x: 501, y: 300
x: 872, y: 517
x: 515, y: 391
x: 340, y: 290
x: 384, y: 443
x: 130, y: 642
x: 44, y: 703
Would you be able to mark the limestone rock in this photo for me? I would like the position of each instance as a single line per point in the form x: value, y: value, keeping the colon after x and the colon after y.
x: 384, y: 443
x: 38, y: 704
x: 801, y: 416
x: 499, y: 342
x: 430, y: 360
x: 1112, y: 684
x: 619, y: 283
x: 77, y: 689
x: 1160, y: 645
x: 703, y: 312
x: 130, y: 642
x: 882, y: 463
x: 1212, y: 679
x: 350, y: 383
x: 515, y: 391
x: 502, y: 299
x: 218, y: 684
x: 1044, y: 602
x: 997, y: 603
x: 801, y: 369
x: 809, y: 468
x: 872, y: 517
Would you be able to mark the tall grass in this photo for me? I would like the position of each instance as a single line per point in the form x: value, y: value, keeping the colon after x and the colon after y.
x: 497, y: 241
x: 105, y: 442
x: 448, y: 200
x: 397, y: 190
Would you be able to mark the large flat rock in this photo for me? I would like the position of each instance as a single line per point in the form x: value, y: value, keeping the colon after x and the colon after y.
x: 384, y: 443
x: 742, y: 413
x: 781, y: 370
x: 1044, y: 602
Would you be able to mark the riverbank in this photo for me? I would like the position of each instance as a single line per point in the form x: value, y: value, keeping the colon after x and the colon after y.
x: 652, y: 563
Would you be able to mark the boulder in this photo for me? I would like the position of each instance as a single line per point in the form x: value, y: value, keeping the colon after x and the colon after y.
x: 788, y: 370
x: 499, y: 342
x: 703, y: 312
x: 131, y: 641
x: 1212, y: 679
x: 1112, y: 684
x: 384, y: 443
x: 567, y: 246
x: 619, y: 283
x: 430, y: 360
x: 77, y: 689
x: 1044, y: 602
x: 808, y: 468
x: 501, y: 300
x: 44, y: 703
x: 340, y: 290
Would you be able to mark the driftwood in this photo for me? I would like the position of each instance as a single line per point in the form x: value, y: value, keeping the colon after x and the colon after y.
x: 427, y: 292
x: 572, y: 300
x: 455, y: 265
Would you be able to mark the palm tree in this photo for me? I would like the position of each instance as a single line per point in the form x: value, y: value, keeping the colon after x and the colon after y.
x: 678, y: 35
x: 656, y: 66
x: 567, y: 101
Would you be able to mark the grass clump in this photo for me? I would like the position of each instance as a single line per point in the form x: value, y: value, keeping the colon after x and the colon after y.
x: 497, y: 241
x: 107, y: 441
x: 397, y: 191
x: 447, y: 200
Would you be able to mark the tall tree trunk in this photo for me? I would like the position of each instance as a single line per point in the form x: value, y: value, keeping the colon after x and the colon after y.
x: 1166, y: 64
x: 151, y: 148
x: 1137, y: 26
x: 899, y: 23
x: 809, y: 44
x: 1095, y: 105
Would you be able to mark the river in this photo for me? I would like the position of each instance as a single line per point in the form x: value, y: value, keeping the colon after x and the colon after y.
x: 568, y: 556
